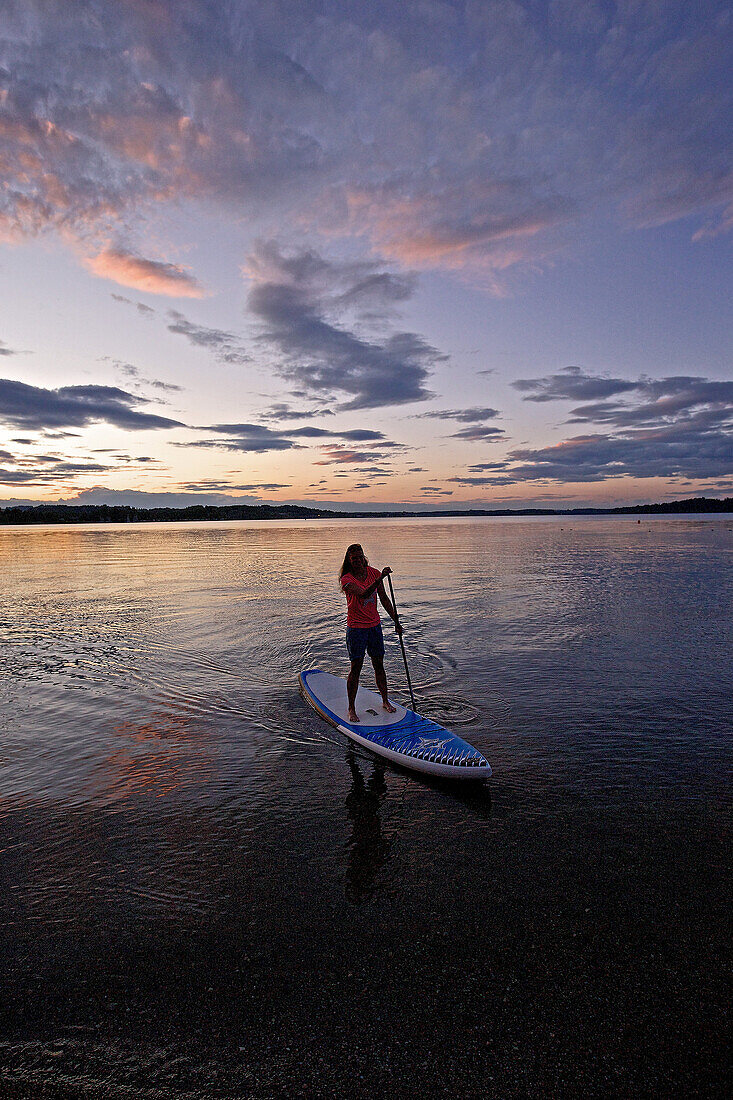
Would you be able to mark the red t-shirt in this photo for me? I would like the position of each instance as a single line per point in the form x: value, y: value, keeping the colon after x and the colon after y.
x: 361, y: 613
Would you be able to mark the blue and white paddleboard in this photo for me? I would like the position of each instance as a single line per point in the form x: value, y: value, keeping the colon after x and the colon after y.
x: 404, y: 737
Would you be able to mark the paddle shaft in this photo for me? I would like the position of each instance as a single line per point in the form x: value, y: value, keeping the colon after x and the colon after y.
x: 402, y: 644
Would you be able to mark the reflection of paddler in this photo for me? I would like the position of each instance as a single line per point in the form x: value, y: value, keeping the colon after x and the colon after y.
x: 368, y: 849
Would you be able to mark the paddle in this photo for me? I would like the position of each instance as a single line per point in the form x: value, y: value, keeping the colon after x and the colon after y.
x: 402, y: 644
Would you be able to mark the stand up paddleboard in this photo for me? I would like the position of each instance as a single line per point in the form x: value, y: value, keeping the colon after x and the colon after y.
x: 405, y: 738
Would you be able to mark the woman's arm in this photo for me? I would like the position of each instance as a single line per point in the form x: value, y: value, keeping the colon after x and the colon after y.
x: 365, y: 593
x: 388, y: 606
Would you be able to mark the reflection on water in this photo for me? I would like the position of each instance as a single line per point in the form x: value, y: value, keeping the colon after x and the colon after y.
x: 207, y: 891
x: 368, y: 848
x: 158, y: 755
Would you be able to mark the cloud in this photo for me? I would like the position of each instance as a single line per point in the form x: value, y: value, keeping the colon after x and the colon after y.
x: 479, y: 432
x: 259, y: 438
x: 152, y: 276
x: 252, y: 438
x: 46, y: 470
x: 344, y: 456
x: 41, y: 469
x: 212, y: 485
x: 35, y: 408
x: 679, y: 426
x: 337, y: 455
x: 129, y: 371
x: 354, y: 435
x: 146, y: 311
x: 668, y: 452
x: 225, y: 345
x: 281, y: 410
x: 111, y: 110
x: 476, y: 431
x: 474, y: 482
x: 465, y: 137
x: 537, y: 119
x: 457, y: 135
x: 464, y: 222
x: 571, y: 384
x: 665, y: 401
x: 297, y: 299
x: 377, y: 292
x: 648, y: 401
x: 464, y: 416
x: 122, y: 456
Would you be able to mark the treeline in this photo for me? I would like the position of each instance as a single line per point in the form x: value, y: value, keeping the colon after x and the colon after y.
x: 117, y: 513
x: 693, y: 504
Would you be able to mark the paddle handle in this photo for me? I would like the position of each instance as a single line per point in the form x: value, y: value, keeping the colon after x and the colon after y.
x: 402, y: 644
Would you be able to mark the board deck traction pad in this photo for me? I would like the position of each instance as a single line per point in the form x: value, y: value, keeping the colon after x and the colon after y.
x: 417, y: 739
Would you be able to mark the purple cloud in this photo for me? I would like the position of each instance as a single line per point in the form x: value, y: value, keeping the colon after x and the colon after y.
x: 571, y: 383
x: 35, y: 408
x: 451, y: 135
x: 295, y: 298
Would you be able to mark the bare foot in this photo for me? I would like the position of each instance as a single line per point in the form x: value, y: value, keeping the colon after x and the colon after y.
x: 353, y: 716
x: 386, y: 705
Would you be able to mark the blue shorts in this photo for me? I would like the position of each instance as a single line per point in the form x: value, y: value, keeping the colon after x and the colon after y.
x: 361, y: 640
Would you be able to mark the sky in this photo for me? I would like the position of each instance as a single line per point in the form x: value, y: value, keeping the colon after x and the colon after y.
x: 426, y: 253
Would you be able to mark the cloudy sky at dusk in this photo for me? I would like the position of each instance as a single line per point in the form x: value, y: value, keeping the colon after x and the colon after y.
x: 442, y: 253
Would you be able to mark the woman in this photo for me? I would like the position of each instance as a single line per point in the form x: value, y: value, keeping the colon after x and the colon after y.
x: 361, y: 584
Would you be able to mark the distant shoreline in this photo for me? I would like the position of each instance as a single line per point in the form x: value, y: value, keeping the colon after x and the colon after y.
x: 113, y: 513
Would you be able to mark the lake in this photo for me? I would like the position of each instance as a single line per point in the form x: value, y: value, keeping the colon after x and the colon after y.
x: 210, y: 893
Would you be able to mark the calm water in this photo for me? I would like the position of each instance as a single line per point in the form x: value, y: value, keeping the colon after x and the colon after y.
x: 208, y: 893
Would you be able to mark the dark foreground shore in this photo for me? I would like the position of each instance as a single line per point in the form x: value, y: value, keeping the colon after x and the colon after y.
x: 553, y: 951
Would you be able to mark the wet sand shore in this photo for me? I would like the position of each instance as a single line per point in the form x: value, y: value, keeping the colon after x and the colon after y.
x: 556, y: 951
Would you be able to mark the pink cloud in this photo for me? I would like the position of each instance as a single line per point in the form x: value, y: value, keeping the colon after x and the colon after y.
x: 336, y: 454
x: 152, y: 276
x: 484, y: 230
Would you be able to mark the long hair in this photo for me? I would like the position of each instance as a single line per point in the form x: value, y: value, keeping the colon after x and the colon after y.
x: 346, y: 564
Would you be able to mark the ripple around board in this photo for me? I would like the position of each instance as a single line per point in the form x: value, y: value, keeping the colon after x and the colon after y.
x: 447, y: 710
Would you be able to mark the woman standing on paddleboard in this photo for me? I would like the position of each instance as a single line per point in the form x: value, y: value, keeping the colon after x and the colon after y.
x: 361, y: 584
